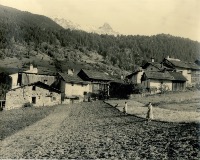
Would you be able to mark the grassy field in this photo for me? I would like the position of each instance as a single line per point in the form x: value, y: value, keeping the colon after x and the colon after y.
x: 187, y: 101
x: 171, y: 107
x: 14, y: 120
x: 97, y: 131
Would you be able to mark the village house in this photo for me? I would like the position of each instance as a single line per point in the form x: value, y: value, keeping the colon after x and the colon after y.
x: 25, y: 78
x: 188, y: 69
x: 72, y: 87
x: 157, y: 81
x: 14, y: 74
x: 135, y: 77
x: 99, y: 82
x: 37, y: 94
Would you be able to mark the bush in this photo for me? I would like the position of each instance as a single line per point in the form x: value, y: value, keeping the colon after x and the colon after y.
x: 139, y: 89
x: 28, y: 104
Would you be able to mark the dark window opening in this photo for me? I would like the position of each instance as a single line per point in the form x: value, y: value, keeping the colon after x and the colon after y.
x: 34, y: 100
x: 34, y: 88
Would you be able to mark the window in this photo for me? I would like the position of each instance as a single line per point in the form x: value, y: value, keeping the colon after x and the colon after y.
x: 34, y: 88
x: 34, y: 100
x: 84, y: 93
x: 53, y: 98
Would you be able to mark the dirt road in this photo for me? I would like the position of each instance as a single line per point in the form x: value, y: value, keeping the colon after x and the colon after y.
x: 96, y: 130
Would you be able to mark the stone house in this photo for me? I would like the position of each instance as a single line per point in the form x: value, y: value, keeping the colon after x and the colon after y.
x: 188, y: 69
x: 163, y: 80
x: 99, y: 82
x: 72, y: 87
x: 38, y: 94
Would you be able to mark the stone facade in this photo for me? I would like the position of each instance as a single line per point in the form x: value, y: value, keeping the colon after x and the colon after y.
x: 38, y: 94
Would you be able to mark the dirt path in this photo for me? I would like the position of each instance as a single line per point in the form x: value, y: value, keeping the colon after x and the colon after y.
x: 160, y: 114
x: 96, y: 130
x: 15, y: 146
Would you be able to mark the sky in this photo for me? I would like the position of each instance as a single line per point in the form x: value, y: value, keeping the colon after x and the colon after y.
x: 134, y: 17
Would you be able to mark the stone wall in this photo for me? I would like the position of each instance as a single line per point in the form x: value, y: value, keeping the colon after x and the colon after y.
x: 16, y: 98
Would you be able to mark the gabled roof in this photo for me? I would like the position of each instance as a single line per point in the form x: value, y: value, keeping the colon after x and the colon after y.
x: 40, y: 84
x: 182, y: 64
x: 177, y: 76
x: 158, y: 75
x: 173, y: 76
x: 96, y: 75
x: 134, y: 73
x: 72, y: 78
x: 155, y: 64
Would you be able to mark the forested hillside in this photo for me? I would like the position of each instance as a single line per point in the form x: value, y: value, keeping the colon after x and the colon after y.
x: 23, y: 34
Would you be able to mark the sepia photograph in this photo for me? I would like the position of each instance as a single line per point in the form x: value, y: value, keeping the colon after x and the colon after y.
x: 100, y: 79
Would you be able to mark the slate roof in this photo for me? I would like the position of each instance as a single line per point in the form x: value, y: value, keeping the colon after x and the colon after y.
x: 97, y: 75
x: 155, y: 64
x: 177, y: 76
x: 40, y: 84
x: 158, y: 75
x: 72, y: 78
x: 182, y: 64
x: 173, y: 76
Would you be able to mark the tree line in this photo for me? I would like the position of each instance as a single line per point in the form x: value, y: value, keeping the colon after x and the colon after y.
x: 121, y: 51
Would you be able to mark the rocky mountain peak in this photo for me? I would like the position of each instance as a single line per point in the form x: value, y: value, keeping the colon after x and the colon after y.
x: 106, y: 26
x: 67, y: 24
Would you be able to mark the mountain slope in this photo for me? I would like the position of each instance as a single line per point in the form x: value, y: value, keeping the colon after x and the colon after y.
x: 40, y: 38
x: 11, y: 16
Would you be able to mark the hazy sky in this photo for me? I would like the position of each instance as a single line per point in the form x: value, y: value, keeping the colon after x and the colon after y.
x: 143, y: 17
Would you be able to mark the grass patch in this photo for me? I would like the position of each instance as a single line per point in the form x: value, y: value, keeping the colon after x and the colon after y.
x: 17, y: 119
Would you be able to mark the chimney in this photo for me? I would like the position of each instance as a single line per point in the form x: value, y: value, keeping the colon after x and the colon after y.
x: 168, y: 57
x: 70, y: 71
x: 31, y: 67
x: 152, y: 59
